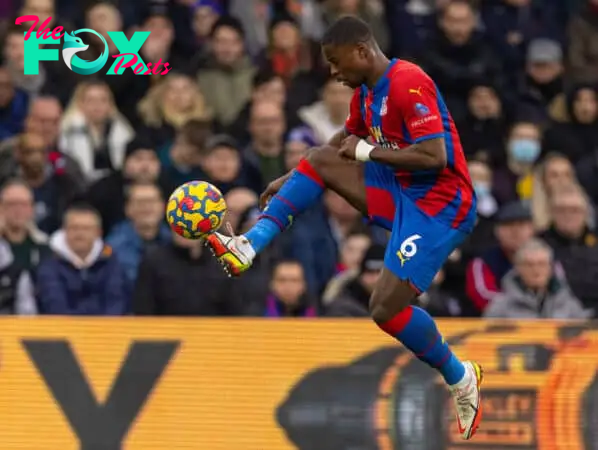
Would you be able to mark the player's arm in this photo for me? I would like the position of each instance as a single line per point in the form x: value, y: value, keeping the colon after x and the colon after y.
x: 412, y: 103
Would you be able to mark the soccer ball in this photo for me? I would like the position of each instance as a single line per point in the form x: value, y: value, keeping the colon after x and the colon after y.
x: 195, y: 209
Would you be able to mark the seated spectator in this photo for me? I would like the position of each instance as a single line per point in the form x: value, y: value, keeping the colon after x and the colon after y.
x: 205, y: 14
x: 575, y: 133
x: 169, y: 105
x: 354, y: 298
x: 13, y: 106
x: 238, y: 201
x: 543, y: 80
x: 583, y: 47
x: 53, y: 187
x: 317, y: 235
x: 288, y: 296
x: 93, y: 132
x: 575, y: 245
x: 514, y: 180
x: 224, y: 166
x: 159, y: 48
x: 266, y: 85
x: 144, y: 225
x: 162, y: 287
x: 438, y: 301
x: 265, y: 151
x: 226, y: 79
x: 327, y: 116
x: 481, y: 239
x: 16, y: 290
x: 484, y: 274
x: 288, y: 53
x: 141, y: 165
x: 456, y: 58
x: 181, y: 161
x: 531, y: 290
x: 28, y: 244
x: 299, y: 141
x: 83, y: 277
x: 483, y: 128
x: 553, y: 173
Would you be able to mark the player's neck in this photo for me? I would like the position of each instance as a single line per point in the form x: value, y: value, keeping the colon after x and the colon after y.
x: 379, y: 69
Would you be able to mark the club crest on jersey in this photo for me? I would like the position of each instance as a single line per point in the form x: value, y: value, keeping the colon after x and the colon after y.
x: 421, y: 110
x: 384, y: 107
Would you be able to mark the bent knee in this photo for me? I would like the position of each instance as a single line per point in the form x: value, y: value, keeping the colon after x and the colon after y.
x: 384, y: 307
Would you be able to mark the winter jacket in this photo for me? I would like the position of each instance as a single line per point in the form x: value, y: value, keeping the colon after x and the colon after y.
x: 317, y: 118
x: 67, y: 285
x: 583, y: 45
x: 128, y: 246
x: 16, y: 287
x: 518, y: 302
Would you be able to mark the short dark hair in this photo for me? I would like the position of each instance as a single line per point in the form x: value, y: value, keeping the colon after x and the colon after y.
x: 348, y: 30
x: 130, y: 188
x: 230, y: 22
x: 286, y: 262
x: 264, y: 76
x: 82, y: 207
x: 196, y: 132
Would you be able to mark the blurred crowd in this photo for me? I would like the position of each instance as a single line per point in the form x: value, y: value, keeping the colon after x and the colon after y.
x: 87, y: 161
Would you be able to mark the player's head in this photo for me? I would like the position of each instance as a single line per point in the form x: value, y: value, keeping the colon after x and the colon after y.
x: 350, y: 48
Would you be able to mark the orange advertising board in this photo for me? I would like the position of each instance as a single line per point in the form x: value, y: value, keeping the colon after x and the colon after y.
x: 253, y: 384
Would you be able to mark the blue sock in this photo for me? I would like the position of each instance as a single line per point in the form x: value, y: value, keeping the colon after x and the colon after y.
x: 416, y: 330
x: 301, y: 191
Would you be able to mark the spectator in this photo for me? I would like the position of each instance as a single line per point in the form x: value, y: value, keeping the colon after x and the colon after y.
x: 13, y: 106
x: 141, y: 165
x: 205, y: 14
x: 221, y: 161
x: 485, y: 273
x: 16, y: 289
x: 255, y: 18
x: 299, y: 141
x: 238, y: 201
x: 576, y: 133
x: 552, y: 174
x: 144, y: 225
x: 354, y: 298
x: 83, y: 277
x: 457, y: 57
x: 328, y: 116
x: 265, y: 151
x: 483, y: 128
x: 181, y: 161
x: 316, y: 236
x: 587, y: 173
x: 28, y: 245
x: 169, y: 105
x: 531, y: 290
x: 574, y: 244
x: 227, y: 77
x: 439, y: 302
x: 288, y: 296
x: 288, y: 54
x: 583, y: 44
x: 162, y: 287
x: 53, y: 187
x: 544, y: 75
x: 93, y: 132
x: 159, y: 47
x: 514, y: 180
x: 479, y: 241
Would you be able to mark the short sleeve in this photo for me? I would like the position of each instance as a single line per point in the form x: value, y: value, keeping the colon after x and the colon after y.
x: 355, y: 123
x: 413, y: 96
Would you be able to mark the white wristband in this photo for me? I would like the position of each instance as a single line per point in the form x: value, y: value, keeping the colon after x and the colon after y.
x: 363, y: 150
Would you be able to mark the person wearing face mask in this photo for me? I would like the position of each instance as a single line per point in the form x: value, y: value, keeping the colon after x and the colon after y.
x: 514, y: 181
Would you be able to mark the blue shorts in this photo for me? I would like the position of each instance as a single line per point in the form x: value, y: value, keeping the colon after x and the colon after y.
x: 419, y: 244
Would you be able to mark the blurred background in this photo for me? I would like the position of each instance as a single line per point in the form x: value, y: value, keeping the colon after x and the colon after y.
x: 86, y: 162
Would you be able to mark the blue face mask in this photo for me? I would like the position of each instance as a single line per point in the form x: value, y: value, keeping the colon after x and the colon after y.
x: 481, y: 189
x: 524, y: 150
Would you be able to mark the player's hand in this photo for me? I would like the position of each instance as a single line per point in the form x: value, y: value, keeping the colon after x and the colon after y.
x: 348, y: 147
x: 272, y: 189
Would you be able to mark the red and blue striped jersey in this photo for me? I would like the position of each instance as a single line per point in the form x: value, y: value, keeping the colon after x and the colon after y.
x: 404, y: 108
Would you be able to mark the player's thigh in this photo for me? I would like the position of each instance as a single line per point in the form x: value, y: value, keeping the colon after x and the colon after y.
x: 418, y: 248
x: 343, y: 176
